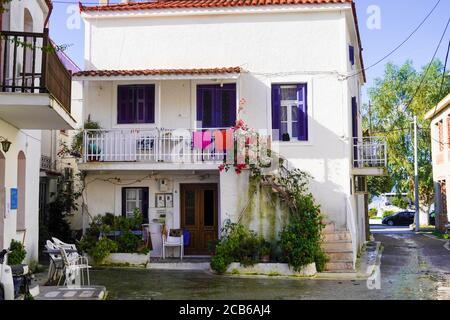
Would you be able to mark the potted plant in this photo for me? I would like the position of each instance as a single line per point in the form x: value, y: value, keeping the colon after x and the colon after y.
x: 285, y: 137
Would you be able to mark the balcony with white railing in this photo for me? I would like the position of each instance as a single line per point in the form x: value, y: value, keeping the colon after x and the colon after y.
x: 152, y: 148
x: 369, y: 156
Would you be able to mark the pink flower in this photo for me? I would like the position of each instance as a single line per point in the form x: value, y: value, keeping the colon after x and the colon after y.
x: 221, y: 167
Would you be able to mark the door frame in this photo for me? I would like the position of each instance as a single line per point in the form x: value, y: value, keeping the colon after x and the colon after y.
x: 199, y: 186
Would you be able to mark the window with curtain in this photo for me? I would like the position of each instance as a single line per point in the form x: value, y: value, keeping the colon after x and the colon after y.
x: 136, y: 104
x: 289, y: 112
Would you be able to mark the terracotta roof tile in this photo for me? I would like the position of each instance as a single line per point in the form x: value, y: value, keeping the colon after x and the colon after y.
x: 179, y: 4
x: 156, y: 72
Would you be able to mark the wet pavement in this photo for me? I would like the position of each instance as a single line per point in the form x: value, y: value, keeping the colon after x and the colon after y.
x: 413, y: 266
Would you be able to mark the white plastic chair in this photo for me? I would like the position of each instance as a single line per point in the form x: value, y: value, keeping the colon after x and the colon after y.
x: 73, y: 270
x: 72, y: 255
x: 56, y: 264
x: 172, y: 241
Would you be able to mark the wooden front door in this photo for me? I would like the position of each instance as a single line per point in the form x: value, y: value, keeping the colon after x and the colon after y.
x: 199, y: 215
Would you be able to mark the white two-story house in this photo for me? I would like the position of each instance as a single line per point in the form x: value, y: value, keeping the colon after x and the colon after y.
x: 155, y: 67
x: 35, y: 95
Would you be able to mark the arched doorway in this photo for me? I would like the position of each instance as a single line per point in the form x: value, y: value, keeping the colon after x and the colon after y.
x: 21, y: 190
x: 2, y: 198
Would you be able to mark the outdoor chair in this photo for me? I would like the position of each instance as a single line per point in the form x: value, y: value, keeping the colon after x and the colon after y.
x: 72, y: 255
x: 73, y: 270
x: 174, y: 238
x: 56, y: 265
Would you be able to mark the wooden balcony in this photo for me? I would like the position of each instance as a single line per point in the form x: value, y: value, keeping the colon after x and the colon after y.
x: 30, y: 69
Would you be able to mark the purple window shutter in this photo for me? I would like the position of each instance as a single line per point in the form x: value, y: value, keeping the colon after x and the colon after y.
x: 276, y: 122
x: 145, y: 202
x: 302, y: 113
x: 125, y: 105
x: 225, y: 105
x: 199, y: 104
x: 351, y: 51
x: 355, y: 129
x: 149, y: 108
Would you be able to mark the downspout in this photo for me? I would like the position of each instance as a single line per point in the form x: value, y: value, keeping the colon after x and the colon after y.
x: 50, y: 9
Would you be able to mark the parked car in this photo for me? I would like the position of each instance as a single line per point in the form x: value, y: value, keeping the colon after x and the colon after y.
x: 403, y: 218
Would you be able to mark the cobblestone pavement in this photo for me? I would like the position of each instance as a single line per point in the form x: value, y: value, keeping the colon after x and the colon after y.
x: 413, y: 266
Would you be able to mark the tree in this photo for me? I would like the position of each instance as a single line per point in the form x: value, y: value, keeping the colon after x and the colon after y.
x: 391, y: 112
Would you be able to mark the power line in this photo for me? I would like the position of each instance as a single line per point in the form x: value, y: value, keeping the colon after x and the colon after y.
x: 443, y: 77
x: 428, y: 67
x: 399, y: 46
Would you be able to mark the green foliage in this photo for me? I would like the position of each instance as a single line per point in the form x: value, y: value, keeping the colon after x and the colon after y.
x: 440, y: 235
x: 126, y: 242
x: 219, y: 263
x: 389, y: 118
x: 373, y: 213
x: 237, y: 244
x: 55, y: 222
x: 400, y: 202
x: 17, y: 254
x: 388, y: 213
x: 300, y: 240
x: 102, y: 249
x: 77, y: 142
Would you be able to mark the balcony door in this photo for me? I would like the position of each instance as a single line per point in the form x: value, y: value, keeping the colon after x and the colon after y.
x: 216, y: 106
x: 199, y: 215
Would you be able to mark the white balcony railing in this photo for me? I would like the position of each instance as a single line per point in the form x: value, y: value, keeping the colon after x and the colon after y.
x: 151, y: 145
x: 369, y: 152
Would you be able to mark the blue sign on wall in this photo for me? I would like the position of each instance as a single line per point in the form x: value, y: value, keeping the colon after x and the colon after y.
x: 13, y: 198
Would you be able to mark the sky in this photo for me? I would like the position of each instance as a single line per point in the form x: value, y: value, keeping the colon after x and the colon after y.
x: 397, y: 20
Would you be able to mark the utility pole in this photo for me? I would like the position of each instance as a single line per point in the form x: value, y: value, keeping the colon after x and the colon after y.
x: 370, y: 121
x: 416, y: 177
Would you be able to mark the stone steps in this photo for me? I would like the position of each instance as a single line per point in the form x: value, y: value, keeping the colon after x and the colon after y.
x: 337, y: 235
x: 337, y: 244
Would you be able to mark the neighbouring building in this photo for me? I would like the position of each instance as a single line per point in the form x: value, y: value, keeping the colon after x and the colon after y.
x: 440, y: 145
x: 152, y: 68
x: 35, y: 95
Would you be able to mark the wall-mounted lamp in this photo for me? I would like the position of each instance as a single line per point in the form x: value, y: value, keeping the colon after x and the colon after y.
x: 5, y: 144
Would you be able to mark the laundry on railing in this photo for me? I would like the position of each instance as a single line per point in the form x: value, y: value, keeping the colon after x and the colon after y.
x: 201, y: 139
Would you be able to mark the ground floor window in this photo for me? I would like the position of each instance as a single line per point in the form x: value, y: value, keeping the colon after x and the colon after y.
x: 133, y: 198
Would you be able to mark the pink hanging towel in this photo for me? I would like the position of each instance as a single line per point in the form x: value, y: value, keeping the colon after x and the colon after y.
x: 201, y: 139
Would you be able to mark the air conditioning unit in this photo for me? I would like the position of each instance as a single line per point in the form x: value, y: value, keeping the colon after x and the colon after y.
x: 163, y: 185
x: 360, y: 184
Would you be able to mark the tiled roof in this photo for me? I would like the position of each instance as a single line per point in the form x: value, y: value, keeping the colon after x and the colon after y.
x: 179, y: 4
x: 156, y: 72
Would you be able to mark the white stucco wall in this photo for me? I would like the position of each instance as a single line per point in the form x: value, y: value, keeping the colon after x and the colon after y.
x: 27, y: 141
x: 299, y: 47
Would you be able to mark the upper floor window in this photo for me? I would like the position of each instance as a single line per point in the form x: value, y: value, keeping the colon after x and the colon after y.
x: 216, y: 105
x: 351, y: 53
x: 136, y: 104
x: 289, y: 112
x: 440, y: 135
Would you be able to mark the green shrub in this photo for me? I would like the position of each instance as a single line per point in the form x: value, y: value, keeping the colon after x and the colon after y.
x: 373, y: 213
x: 300, y: 240
x: 102, y: 249
x: 219, y: 264
x: 400, y: 202
x: 388, y: 213
x: 237, y: 244
x: 17, y: 254
x: 128, y: 242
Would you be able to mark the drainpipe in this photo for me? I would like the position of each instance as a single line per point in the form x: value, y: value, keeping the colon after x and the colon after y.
x: 50, y: 9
